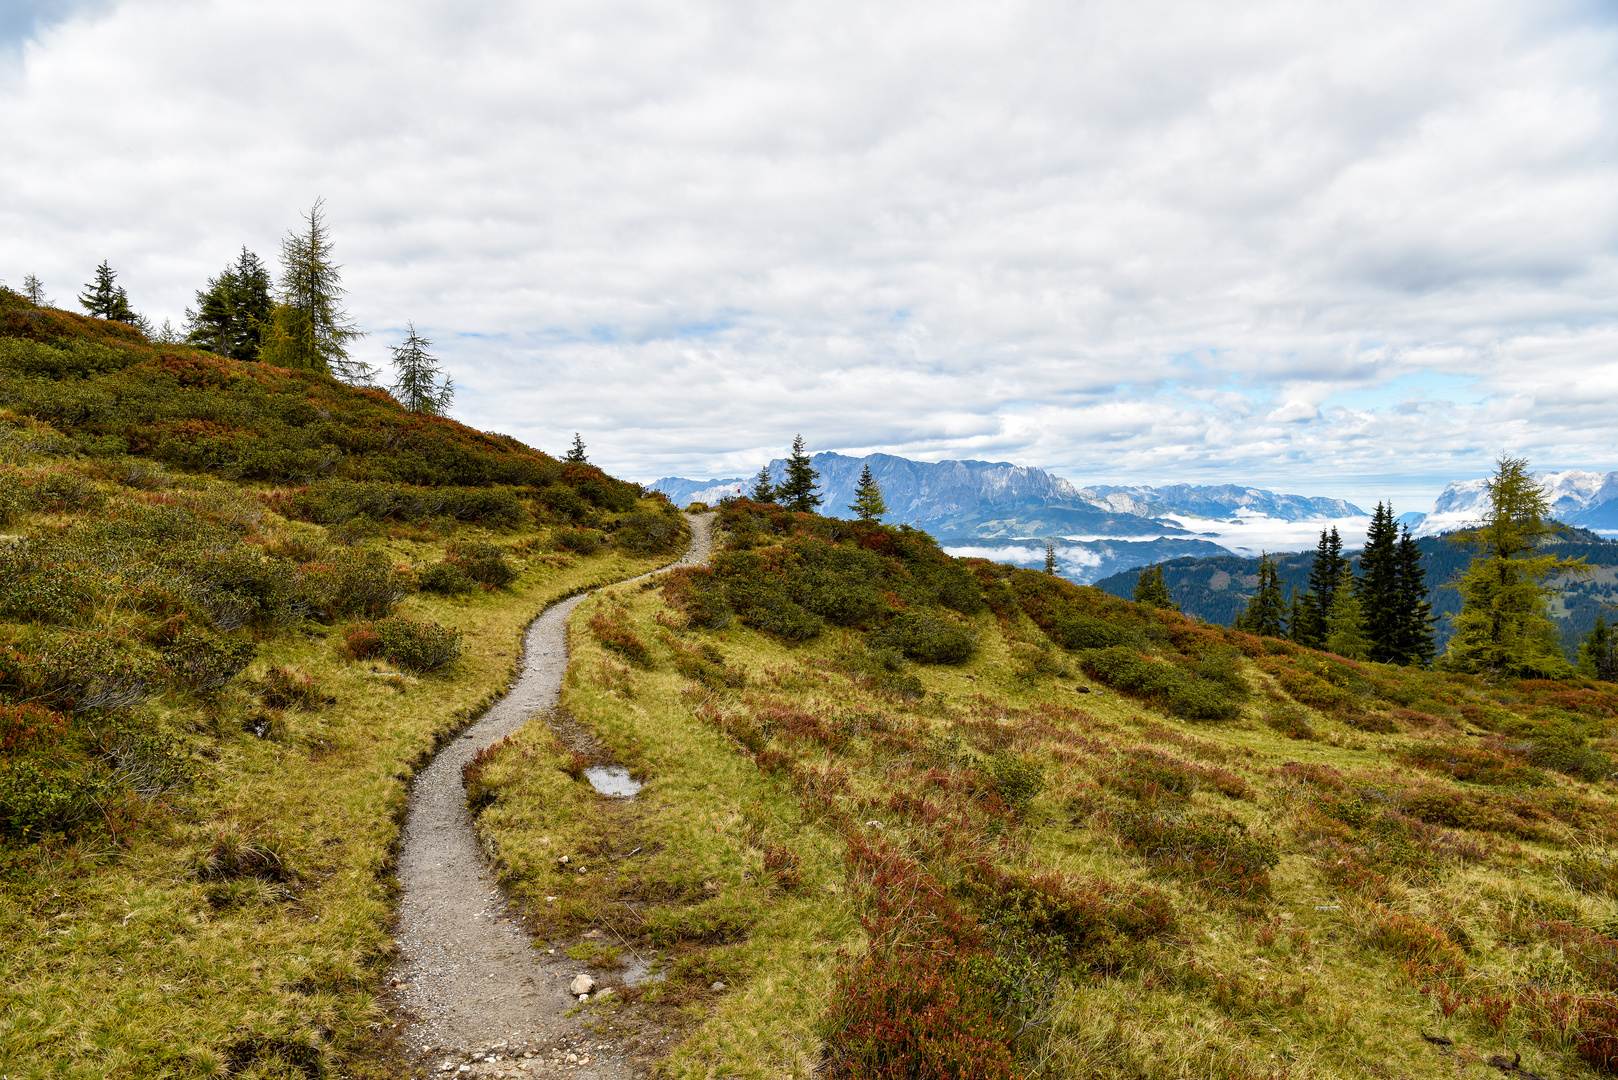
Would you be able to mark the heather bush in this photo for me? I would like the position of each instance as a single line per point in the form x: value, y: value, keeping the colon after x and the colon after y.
x: 338, y: 502
x: 40, y: 796
x: 447, y: 579
x: 1474, y: 764
x: 1017, y: 780
x: 205, y: 661
x: 30, y: 727
x: 484, y: 563
x: 283, y: 688
x: 611, y: 627
x: 927, y: 639
x: 649, y: 533
x: 79, y: 671
x: 578, y: 540
x: 349, y: 583
x: 1167, y: 685
x: 421, y: 647
x: 1214, y: 852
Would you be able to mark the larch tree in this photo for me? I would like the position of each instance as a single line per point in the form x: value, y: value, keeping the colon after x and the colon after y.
x: 1151, y: 590
x: 34, y: 289
x: 1504, y: 626
x: 418, y: 386
x: 763, y: 489
x: 868, y: 503
x: 575, y: 454
x: 106, y: 299
x: 797, y: 491
x: 1266, y: 612
x: 310, y: 330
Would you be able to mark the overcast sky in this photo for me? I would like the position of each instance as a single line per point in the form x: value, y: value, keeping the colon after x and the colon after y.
x: 1334, y: 249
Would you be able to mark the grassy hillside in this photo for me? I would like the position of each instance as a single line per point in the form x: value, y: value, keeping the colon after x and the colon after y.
x: 911, y: 816
x: 1218, y: 588
x: 238, y: 606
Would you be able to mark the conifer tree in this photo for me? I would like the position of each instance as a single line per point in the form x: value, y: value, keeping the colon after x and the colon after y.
x: 34, y: 289
x: 797, y: 491
x: 106, y: 299
x: 763, y: 490
x: 1050, y: 557
x: 417, y: 387
x: 1266, y: 612
x: 1378, y: 589
x: 576, y: 454
x: 1598, y: 654
x: 1345, y: 622
x: 234, y: 311
x: 310, y: 331
x: 1413, y: 615
x: 868, y: 503
x: 1504, y: 626
x: 1310, y: 627
x: 1151, y: 590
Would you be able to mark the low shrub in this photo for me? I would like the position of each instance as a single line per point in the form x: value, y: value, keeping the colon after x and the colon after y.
x: 446, y: 579
x: 1291, y: 722
x: 1425, y: 951
x: 422, y: 647
x: 1215, y: 853
x: 579, y: 541
x: 1093, y: 924
x: 30, y: 727
x: 1016, y: 780
x: 205, y: 661
x: 610, y: 626
x: 284, y: 688
x: 1169, y: 686
x: 927, y: 639
x: 650, y: 533
x: 1473, y: 764
x: 484, y: 563
x: 42, y: 796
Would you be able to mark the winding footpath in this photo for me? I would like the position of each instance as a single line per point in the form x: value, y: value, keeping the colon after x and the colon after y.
x: 468, y: 977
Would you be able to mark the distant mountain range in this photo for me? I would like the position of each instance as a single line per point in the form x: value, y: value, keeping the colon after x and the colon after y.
x: 1586, y: 499
x: 997, y: 510
x: 982, y: 500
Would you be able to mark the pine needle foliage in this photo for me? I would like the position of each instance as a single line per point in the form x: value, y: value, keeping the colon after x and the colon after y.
x: 1266, y: 614
x: 868, y: 504
x: 575, y: 455
x: 1151, y: 590
x: 418, y: 386
x: 1504, y: 625
x: 763, y: 489
x: 106, y: 299
x: 797, y: 490
x: 1345, y: 622
x: 234, y: 311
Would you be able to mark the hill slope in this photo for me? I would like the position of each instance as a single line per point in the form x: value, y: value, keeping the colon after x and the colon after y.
x: 238, y: 606
x: 913, y: 816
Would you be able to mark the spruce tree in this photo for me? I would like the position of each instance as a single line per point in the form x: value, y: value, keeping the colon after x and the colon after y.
x: 1266, y: 612
x: 1050, y: 557
x: 234, y: 311
x: 797, y: 491
x: 1504, y: 626
x: 1413, y: 615
x: 417, y: 387
x: 310, y: 330
x: 1598, y: 654
x: 868, y: 503
x: 576, y: 454
x: 1345, y: 622
x: 106, y: 299
x: 1151, y: 590
x: 34, y: 289
x: 1378, y: 589
x: 1310, y: 627
x: 763, y: 490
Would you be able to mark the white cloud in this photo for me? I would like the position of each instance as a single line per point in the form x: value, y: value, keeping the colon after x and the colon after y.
x: 1132, y: 243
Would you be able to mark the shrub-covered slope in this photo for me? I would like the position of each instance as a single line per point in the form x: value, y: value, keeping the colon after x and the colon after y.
x: 911, y: 816
x: 237, y: 605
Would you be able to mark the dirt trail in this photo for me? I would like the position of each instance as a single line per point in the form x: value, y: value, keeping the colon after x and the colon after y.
x: 469, y: 978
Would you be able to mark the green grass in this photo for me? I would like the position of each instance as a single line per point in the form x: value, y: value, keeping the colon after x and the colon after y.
x: 1395, y: 900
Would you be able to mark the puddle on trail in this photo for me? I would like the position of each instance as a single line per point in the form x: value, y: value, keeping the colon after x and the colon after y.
x: 612, y: 780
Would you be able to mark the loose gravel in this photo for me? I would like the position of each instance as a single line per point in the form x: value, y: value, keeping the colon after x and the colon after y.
x: 468, y: 977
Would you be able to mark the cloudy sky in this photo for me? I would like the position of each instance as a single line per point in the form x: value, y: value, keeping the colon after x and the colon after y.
x: 1335, y: 249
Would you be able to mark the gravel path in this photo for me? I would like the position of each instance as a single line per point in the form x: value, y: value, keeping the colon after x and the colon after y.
x: 468, y: 978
